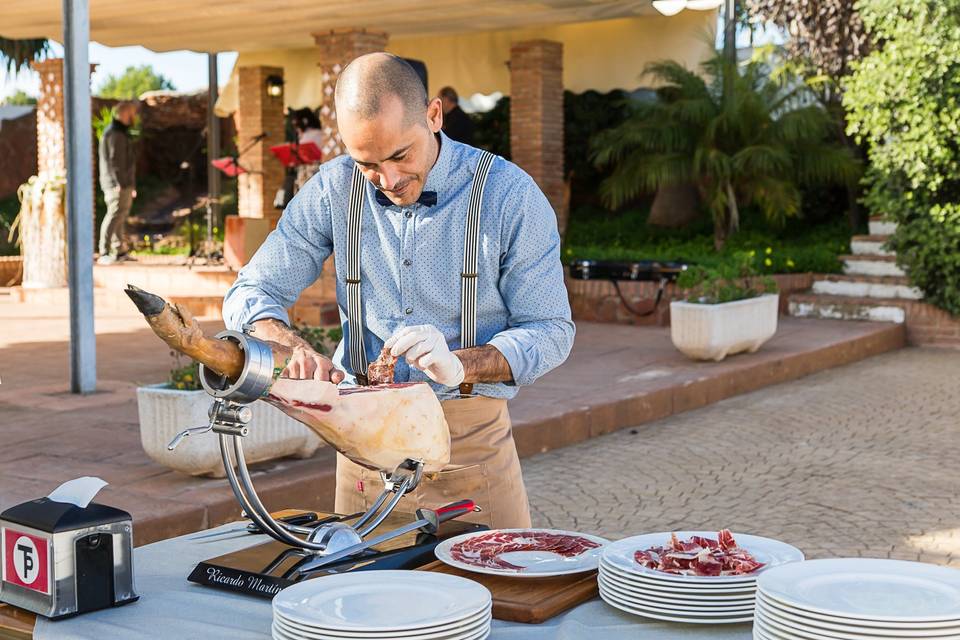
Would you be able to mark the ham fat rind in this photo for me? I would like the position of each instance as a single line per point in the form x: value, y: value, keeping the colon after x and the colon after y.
x: 378, y: 427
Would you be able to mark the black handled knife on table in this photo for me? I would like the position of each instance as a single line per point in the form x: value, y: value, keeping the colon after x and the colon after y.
x: 308, y: 519
x: 428, y: 521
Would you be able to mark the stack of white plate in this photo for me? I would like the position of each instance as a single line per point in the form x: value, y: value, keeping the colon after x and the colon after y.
x: 858, y: 599
x: 376, y: 605
x: 631, y: 587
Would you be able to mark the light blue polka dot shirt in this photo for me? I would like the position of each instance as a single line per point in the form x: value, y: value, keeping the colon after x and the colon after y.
x: 411, y: 259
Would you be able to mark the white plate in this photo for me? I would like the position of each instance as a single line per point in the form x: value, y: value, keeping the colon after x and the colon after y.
x: 382, y: 635
x: 823, y: 624
x: 673, y: 586
x: 783, y: 630
x: 440, y: 631
x: 444, y: 633
x: 683, y: 598
x: 536, y: 564
x: 860, y: 622
x: 280, y: 634
x: 674, y: 605
x: 669, y: 617
x: 770, y: 552
x: 683, y: 612
x: 871, y: 589
x: 669, y: 590
x: 381, y: 601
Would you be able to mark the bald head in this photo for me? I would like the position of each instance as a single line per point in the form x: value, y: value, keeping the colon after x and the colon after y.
x: 370, y: 81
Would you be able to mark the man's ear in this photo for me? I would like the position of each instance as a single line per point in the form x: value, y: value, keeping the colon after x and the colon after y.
x: 435, y: 115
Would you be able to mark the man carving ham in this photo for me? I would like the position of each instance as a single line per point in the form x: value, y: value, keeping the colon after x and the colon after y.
x: 447, y: 258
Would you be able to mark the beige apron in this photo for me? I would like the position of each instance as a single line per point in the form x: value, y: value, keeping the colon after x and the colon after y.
x: 483, y: 467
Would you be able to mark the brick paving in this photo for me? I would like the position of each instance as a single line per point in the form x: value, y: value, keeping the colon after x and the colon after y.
x: 617, y: 376
x: 860, y: 460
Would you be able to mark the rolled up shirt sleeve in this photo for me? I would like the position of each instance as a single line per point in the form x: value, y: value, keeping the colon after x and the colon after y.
x: 289, y: 261
x: 540, y: 331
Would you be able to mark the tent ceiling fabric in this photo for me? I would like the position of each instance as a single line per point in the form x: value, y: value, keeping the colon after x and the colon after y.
x: 251, y: 25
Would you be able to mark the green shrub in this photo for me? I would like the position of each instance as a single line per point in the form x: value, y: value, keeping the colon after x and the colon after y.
x: 903, y: 101
x: 734, y: 280
x: 796, y: 247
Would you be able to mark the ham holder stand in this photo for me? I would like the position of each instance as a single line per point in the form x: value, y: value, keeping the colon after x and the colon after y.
x: 320, y: 546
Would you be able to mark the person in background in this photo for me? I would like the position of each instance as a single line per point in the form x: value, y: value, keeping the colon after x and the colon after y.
x: 456, y: 123
x: 307, y: 124
x: 118, y: 166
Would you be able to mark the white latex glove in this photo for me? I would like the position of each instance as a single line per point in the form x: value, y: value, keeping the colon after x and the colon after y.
x: 425, y: 348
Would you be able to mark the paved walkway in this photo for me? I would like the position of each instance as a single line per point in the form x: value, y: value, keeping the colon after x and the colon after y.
x: 617, y: 376
x: 858, y: 460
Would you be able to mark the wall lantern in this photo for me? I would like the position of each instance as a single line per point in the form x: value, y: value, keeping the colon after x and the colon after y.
x: 274, y: 86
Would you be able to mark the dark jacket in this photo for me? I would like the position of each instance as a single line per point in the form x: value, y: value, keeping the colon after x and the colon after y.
x: 118, y: 158
x: 458, y: 126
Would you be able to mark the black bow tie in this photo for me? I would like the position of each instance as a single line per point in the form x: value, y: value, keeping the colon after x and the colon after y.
x: 427, y: 198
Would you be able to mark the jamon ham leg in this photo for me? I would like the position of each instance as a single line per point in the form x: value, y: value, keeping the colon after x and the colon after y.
x: 378, y: 427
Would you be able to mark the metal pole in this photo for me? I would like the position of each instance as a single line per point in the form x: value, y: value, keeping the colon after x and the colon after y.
x: 213, y: 147
x: 79, y: 194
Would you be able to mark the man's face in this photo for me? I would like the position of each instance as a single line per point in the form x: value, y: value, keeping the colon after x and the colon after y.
x: 394, y: 156
x: 126, y: 116
x: 448, y: 104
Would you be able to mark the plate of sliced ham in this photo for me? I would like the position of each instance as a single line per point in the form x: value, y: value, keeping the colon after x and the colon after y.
x: 700, y: 556
x: 523, y: 553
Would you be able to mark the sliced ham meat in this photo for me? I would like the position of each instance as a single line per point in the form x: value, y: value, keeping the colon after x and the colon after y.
x: 484, y: 550
x: 380, y: 371
x: 699, y: 556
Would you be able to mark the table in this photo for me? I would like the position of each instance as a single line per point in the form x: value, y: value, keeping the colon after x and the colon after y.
x: 171, y: 607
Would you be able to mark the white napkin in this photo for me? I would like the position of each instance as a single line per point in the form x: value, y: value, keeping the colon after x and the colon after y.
x: 79, y: 491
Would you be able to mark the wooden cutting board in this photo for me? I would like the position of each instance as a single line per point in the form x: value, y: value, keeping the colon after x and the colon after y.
x: 529, y: 600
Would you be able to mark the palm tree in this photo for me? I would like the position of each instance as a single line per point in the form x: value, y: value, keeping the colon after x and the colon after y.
x: 742, y: 137
x: 17, y: 54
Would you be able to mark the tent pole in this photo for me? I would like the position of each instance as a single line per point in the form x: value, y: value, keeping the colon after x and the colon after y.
x: 213, y: 146
x: 79, y: 194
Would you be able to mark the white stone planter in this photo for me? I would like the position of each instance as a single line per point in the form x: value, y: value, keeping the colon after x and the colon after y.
x: 165, y: 412
x: 715, y: 331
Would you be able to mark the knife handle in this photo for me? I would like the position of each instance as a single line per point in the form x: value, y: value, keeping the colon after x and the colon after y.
x: 455, y: 510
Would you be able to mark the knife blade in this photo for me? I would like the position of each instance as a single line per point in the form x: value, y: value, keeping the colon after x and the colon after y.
x: 298, y: 519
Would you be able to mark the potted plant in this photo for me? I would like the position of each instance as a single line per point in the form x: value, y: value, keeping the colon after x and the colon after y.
x: 168, y: 408
x: 726, y: 310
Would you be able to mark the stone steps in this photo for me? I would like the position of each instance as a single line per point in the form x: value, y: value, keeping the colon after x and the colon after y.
x: 871, y: 265
x: 864, y: 286
x: 880, y: 226
x: 870, y: 245
x: 841, y: 307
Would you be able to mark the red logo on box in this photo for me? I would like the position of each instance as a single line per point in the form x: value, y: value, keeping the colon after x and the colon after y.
x: 25, y: 560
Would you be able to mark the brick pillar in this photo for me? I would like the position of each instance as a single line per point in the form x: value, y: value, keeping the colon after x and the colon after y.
x: 259, y: 113
x: 536, y: 116
x: 51, y: 152
x: 337, y: 49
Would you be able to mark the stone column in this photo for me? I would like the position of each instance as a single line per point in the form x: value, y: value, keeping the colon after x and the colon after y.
x: 536, y: 116
x: 51, y: 153
x: 259, y: 113
x: 337, y: 49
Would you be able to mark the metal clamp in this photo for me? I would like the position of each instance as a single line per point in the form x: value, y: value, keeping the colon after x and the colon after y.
x: 255, y: 378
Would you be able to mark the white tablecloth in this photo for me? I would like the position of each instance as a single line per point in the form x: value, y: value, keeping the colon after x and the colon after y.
x: 171, y: 607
